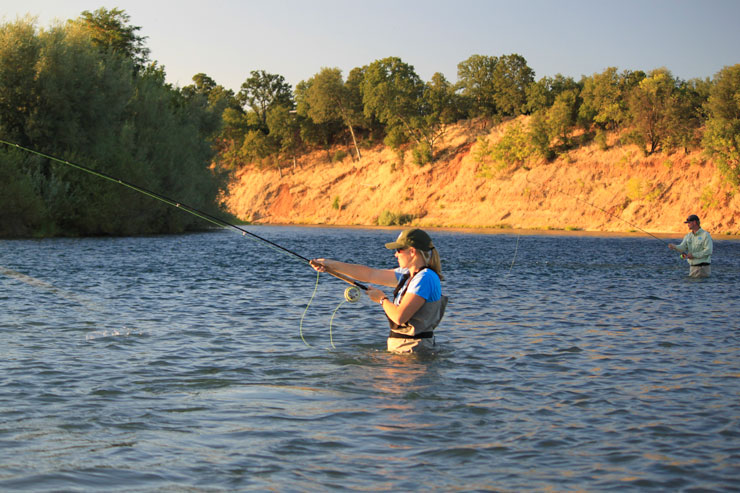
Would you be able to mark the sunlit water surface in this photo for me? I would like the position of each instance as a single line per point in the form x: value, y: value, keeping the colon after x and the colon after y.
x: 176, y: 363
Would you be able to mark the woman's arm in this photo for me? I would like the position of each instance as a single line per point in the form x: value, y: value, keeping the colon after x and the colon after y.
x: 400, y: 314
x: 363, y: 273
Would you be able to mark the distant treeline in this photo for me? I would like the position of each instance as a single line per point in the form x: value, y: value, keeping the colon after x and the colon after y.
x: 266, y: 122
x: 88, y: 92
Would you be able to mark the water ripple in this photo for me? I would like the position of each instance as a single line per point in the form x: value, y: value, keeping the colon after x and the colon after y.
x: 174, y: 364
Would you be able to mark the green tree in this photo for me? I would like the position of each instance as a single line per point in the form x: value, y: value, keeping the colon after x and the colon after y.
x: 540, y: 135
x: 476, y: 84
x: 651, y: 106
x: 442, y: 102
x: 285, y: 130
x: 231, y: 139
x: 224, y: 121
x: 392, y: 92
x: 20, y: 49
x: 81, y: 93
x: 111, y: 30
x: 312, y: 133
x: 562, y: 116
x: 439, y: 109
x: 218, y: 97
x: 541, y: 94
x: 89, y: 106
x: 514, y: 148
x: 605, y: 97
x: 367, y: 124
x: 326, y: 98
x: 511, y: 79
x: 257, y: 146
x: 722, y: 136
x: 22, y: 210
x: 261, y: 91
x: 689, y: 115
x: 603, y: 101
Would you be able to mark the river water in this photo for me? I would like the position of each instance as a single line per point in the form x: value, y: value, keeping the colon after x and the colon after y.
x: 176, y: 363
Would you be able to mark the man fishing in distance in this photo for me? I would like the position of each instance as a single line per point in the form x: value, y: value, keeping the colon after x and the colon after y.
x: 696, y: 248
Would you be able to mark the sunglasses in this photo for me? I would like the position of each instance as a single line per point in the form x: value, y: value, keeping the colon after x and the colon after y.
x: 399, y: 250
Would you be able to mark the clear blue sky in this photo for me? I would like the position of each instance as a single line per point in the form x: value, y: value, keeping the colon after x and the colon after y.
x: 226, y: 39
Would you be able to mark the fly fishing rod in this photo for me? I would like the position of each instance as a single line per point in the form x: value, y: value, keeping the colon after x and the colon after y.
x: 184, y: 207
x: 597, y: 207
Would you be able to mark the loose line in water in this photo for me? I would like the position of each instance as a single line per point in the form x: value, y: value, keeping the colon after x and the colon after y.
x: 38, y: 283
x: 300, y: 325
x: 516, y: 249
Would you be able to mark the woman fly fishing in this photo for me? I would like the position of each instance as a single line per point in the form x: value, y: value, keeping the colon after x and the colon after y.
x: 418, y: 304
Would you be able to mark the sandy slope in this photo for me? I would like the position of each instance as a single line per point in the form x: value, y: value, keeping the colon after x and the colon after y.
x: 617, y: 190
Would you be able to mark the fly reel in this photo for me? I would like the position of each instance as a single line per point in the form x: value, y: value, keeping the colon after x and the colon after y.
x: 352, y: 294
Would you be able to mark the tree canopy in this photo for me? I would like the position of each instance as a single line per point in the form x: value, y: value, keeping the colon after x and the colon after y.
x: 111, y: 30
x: 325, y: 98
x: 262, y: 91
x: 62, y: 95
x: 722, y: 138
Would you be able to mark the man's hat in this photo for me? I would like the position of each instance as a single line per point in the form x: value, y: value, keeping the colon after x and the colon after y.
x: 692, y: 217
x: 412, y: 238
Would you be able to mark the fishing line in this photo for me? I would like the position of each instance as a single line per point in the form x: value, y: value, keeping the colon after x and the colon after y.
x: 197, y: 213
x: 162, y: 198
x: 300, y: 325
x: 516, y: 249
x: 331, y: 338
x: 38, y: 283
x: 184, y: 207
x: 597, y: 207
x: 351, y: 295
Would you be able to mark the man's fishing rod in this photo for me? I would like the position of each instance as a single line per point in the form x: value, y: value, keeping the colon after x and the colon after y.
x: 597, y: 207
x: 184, y: 207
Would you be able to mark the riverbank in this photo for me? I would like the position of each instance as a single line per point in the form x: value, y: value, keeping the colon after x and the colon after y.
x: 587, y: 190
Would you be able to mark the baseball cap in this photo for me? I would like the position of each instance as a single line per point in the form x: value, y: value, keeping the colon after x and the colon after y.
x: 412, y: 238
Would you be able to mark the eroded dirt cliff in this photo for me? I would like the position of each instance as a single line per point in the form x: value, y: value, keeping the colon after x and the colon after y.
x: 588, y: 189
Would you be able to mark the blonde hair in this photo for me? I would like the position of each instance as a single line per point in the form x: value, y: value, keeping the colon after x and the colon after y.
x: 431, y: 258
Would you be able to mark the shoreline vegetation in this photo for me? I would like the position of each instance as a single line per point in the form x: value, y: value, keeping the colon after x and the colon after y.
x: 613, y: 152
x: 509, y: 231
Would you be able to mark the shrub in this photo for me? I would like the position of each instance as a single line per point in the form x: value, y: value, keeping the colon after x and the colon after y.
x: 708, y: 199
x: 539, y: 136
x: 22, y: 211
x: 339, y: 156
x: 634, y: 189
x: 422, y: 154
x: 482, y: 152
x: 388, y: 218
x: 601, y: 140
x: 514, y: 148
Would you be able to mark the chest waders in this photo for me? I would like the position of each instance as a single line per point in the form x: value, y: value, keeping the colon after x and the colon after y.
x: 421, y: 325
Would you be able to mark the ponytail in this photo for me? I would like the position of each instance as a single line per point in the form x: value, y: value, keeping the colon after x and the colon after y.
x: 433, y: 261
